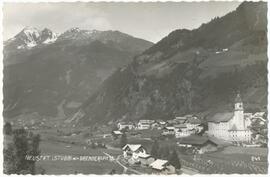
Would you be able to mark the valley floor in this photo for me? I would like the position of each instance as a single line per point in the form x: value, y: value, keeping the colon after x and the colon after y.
x: 228, y: 160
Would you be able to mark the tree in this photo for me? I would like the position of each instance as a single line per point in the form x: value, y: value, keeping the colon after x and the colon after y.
x: 7, y: 128
x: 123, y: 140
x: 20, y: 141
x: 155, y: 150
x: 114, y: 127
x: 165, y: 152
x: 9, y: 156
x: 174, y: 160
x: 24, y: 144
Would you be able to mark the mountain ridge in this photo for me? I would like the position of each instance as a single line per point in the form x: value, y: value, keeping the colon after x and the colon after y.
x: 40, y: 78
x: 190, y: 71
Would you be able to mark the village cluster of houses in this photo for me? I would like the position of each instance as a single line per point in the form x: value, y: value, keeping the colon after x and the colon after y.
x: 179, y: 127
x: 136, y: 154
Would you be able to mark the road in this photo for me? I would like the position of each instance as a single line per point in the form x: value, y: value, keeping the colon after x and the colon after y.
x: 125, y: 167
x: 185, y: 170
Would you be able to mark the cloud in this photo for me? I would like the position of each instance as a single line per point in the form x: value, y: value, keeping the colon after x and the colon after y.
x: 150, y: 21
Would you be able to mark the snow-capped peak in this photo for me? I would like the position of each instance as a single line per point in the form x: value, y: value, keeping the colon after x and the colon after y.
x: 30, y: 37
x: 47, y: 36
x: 79, y: 34
x: 75, y: 29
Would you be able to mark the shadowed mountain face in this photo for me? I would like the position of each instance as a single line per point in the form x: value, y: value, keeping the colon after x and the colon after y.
x: 53, y: 74
x: 190, y: 71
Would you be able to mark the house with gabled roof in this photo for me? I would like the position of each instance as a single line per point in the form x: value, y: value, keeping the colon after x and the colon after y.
x: 116, y: 134
x: 181, y: 130
x: 146, y: 159
x: 230, y: 126
x: 145, y: 124
x: 180, y: 119
x: 169, y: 130
x: 125, y: 125
x: 160, y: 166
x: 193, y: 122
x: 201, y: 143
x: 133, y: 151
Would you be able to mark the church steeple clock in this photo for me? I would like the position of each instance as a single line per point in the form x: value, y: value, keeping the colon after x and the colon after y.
x: 239, y: 113
x: 238, y: 104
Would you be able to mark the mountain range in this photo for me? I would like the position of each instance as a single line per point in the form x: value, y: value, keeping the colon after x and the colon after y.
x: 196, y: 71
x: 52, y: 74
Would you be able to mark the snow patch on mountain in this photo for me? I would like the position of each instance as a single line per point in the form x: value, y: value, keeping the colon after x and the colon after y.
x: 31, y: 37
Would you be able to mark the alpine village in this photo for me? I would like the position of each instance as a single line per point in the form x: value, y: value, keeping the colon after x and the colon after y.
x: 104, y: 102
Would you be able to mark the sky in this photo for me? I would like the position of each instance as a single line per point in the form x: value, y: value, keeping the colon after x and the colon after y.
x: 151, y: 21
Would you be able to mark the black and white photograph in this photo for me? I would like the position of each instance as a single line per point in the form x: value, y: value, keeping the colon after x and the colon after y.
x: 134, y: 88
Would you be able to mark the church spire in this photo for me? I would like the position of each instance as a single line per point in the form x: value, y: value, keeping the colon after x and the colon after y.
x: 238, y: 99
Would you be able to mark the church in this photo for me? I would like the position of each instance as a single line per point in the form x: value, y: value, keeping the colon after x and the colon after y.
x: 231, y: 126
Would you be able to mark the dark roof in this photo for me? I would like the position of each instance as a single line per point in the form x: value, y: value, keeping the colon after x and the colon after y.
x: 195, y: 140
x: 194, y: 120
x: 221, y: 117
x: 180, y: 126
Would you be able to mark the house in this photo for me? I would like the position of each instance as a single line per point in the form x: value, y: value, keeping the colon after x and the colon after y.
x: 162, y: 167
x: 116, y: 133
x: 180, y: 119
x: 181, y: 130
x: 145, y: 124
x: 168, y: 131
x: 155, y: 125
x: 146, y: 159
x: 193, y: 123
x: 172, y: 122
x: 201, y: 143
x: 125, y: 125
x: 133, y: 151
x: 259, y: 114
x: 161, y: 124
x: 230, y: 126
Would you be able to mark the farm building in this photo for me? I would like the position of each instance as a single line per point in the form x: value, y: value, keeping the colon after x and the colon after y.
x: 162, y: 167
x: 146, y: 159
x: 116, y: 133
x: 201, y: 143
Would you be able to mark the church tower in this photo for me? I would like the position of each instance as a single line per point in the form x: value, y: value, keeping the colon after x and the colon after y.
x: 239, y: 121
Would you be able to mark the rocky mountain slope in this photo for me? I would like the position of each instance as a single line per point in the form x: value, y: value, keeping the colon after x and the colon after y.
x: 30, y: 37
x: 53, y: 74
x: 190, y: 71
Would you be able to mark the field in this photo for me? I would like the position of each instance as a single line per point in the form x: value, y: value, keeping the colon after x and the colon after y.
x: 75, y: 147
x: 230, y: 160
x: 227, y: 160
